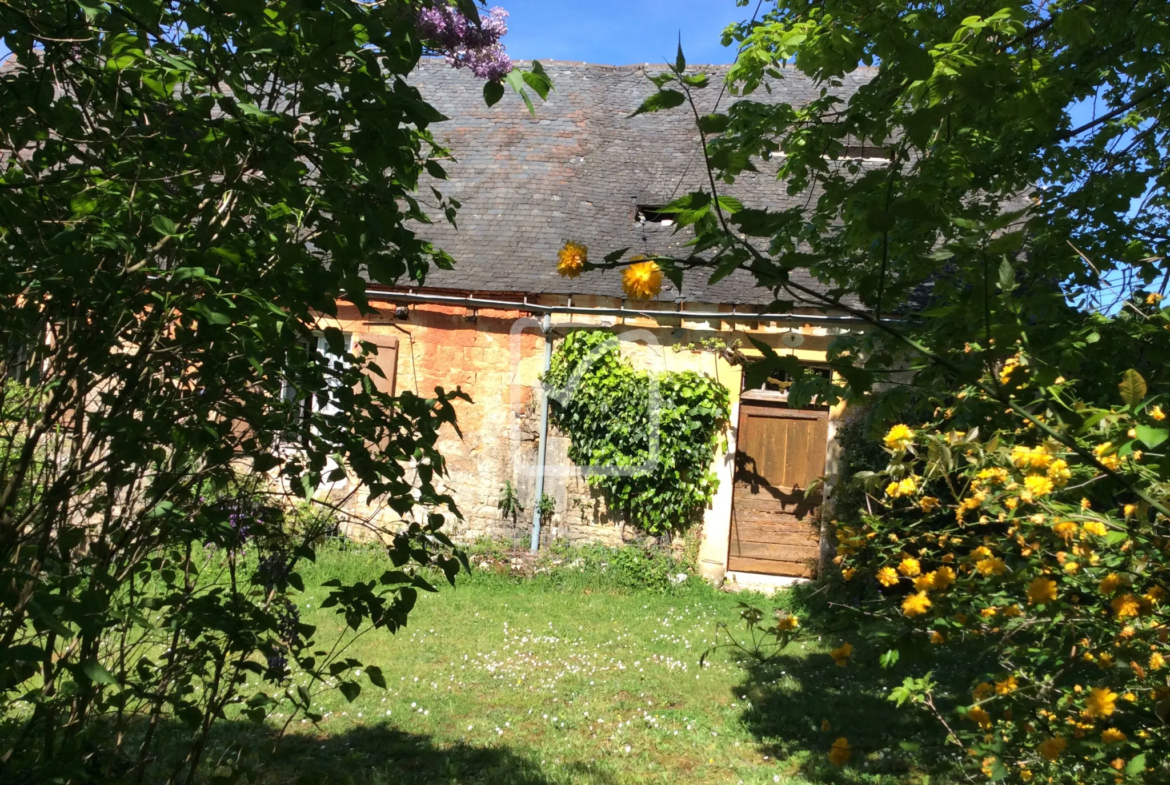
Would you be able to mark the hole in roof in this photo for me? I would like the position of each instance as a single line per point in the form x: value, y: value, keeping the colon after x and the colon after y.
x: 652, y: 214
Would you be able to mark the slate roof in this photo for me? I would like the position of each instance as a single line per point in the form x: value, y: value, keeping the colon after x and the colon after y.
x: 577, y: 172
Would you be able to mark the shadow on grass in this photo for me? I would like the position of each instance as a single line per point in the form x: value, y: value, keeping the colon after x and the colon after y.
x: 381, y: 755
x: 243, y: 752
x: 792, y: 696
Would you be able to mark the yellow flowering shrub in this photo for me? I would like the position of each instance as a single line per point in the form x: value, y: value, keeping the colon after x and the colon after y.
x: 1044, y: 555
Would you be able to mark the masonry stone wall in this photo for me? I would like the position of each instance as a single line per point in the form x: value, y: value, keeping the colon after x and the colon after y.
x: 496, y: 357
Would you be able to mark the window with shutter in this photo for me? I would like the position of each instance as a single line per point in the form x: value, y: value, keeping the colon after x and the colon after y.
x: 387, y: 361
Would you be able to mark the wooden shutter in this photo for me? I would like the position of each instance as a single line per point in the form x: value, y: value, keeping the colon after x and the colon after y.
x: 387, y: 361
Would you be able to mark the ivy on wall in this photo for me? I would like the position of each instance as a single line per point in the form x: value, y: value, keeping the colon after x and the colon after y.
x: 647, y: 440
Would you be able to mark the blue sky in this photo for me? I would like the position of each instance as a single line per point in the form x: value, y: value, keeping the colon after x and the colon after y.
x: 615, y: 32
x: 620, y: 32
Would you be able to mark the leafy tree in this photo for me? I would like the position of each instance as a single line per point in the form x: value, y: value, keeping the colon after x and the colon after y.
x: 187, y: 187
x: 1004, y: 229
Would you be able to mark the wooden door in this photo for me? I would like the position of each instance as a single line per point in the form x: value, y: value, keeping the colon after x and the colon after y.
x: 775, y: 528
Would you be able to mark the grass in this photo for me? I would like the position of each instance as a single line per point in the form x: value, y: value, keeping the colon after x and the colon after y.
x: 566, y: 678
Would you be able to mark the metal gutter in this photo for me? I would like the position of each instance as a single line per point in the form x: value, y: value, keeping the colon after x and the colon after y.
x: 534, y: 308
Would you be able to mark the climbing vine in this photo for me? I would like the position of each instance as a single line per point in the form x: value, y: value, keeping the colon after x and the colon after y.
x: 647, y: 440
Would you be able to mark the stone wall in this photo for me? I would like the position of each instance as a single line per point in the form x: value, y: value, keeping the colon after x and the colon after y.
x: 496, y: 357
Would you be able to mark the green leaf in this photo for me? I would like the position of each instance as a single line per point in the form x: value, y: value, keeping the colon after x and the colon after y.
x: 1133, y: 387
x: 98, y: 673
x: 1136, y: 765
x: 516, y: 80
x: 469, y: 9
x: 680, y: 62
x: 714, y: 123
x: 613, y: 256
x: 890, y: 658
x: 697, y: 80
x: 730, y: 204
x: 538, y: 81
x: 1151, y: 436
x: 492, y: 93
x: 1007, y: 276
x: 164, y: 226
x: 663, y: 99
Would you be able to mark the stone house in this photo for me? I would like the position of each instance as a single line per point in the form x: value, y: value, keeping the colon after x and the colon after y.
x: 584, y: 170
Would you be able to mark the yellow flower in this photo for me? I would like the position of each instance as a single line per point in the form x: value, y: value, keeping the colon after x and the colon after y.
x: 840, y: 752
x: 1112, y: 736
x: 943, y: 578
x: 989, y: 611
x: 788, y: 623
x: 1009, y: 365
x: 642, y: 280
x: 1153, y: 299
x: 1100, y: 702
x: 924, y: 582
x: 1007, y: 686
x: 906, y: 487
x: 983, y: 690
x: 928, y: 503
x: 572, y: 259
x: 900, y: 437
x: 910, y: 567
x: 1050, y: 749
x: 988, y: 767
x: 972, y: 502
x: 1095, y: 528
x: 1031, y: 457
x: 979, y: 714
x: 1126, y: 605
x: 886, y: 576
x: 1109, y: 583
x: 937, y: 637
x: 1041, y: 590
x: 991, y: 566
x: 1108, y: 461
x: 841, y: 654
x: 1071, y: 567
x: 1157, y: 413
x: 1059, y: 472
x: 1129, y: 510
x: 1157, y: 661
x: 916, y: 604
x: 1038, y: 485
x: 992, y: 476
x: 1085, y: 503
x: 1065, y: 530
x: 1026, y: 775
x: 848, y: 573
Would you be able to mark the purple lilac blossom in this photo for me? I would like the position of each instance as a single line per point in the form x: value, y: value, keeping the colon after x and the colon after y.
x: 465, y: 45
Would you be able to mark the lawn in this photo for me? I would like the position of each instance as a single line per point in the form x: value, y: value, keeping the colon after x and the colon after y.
x: 565, y: 679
